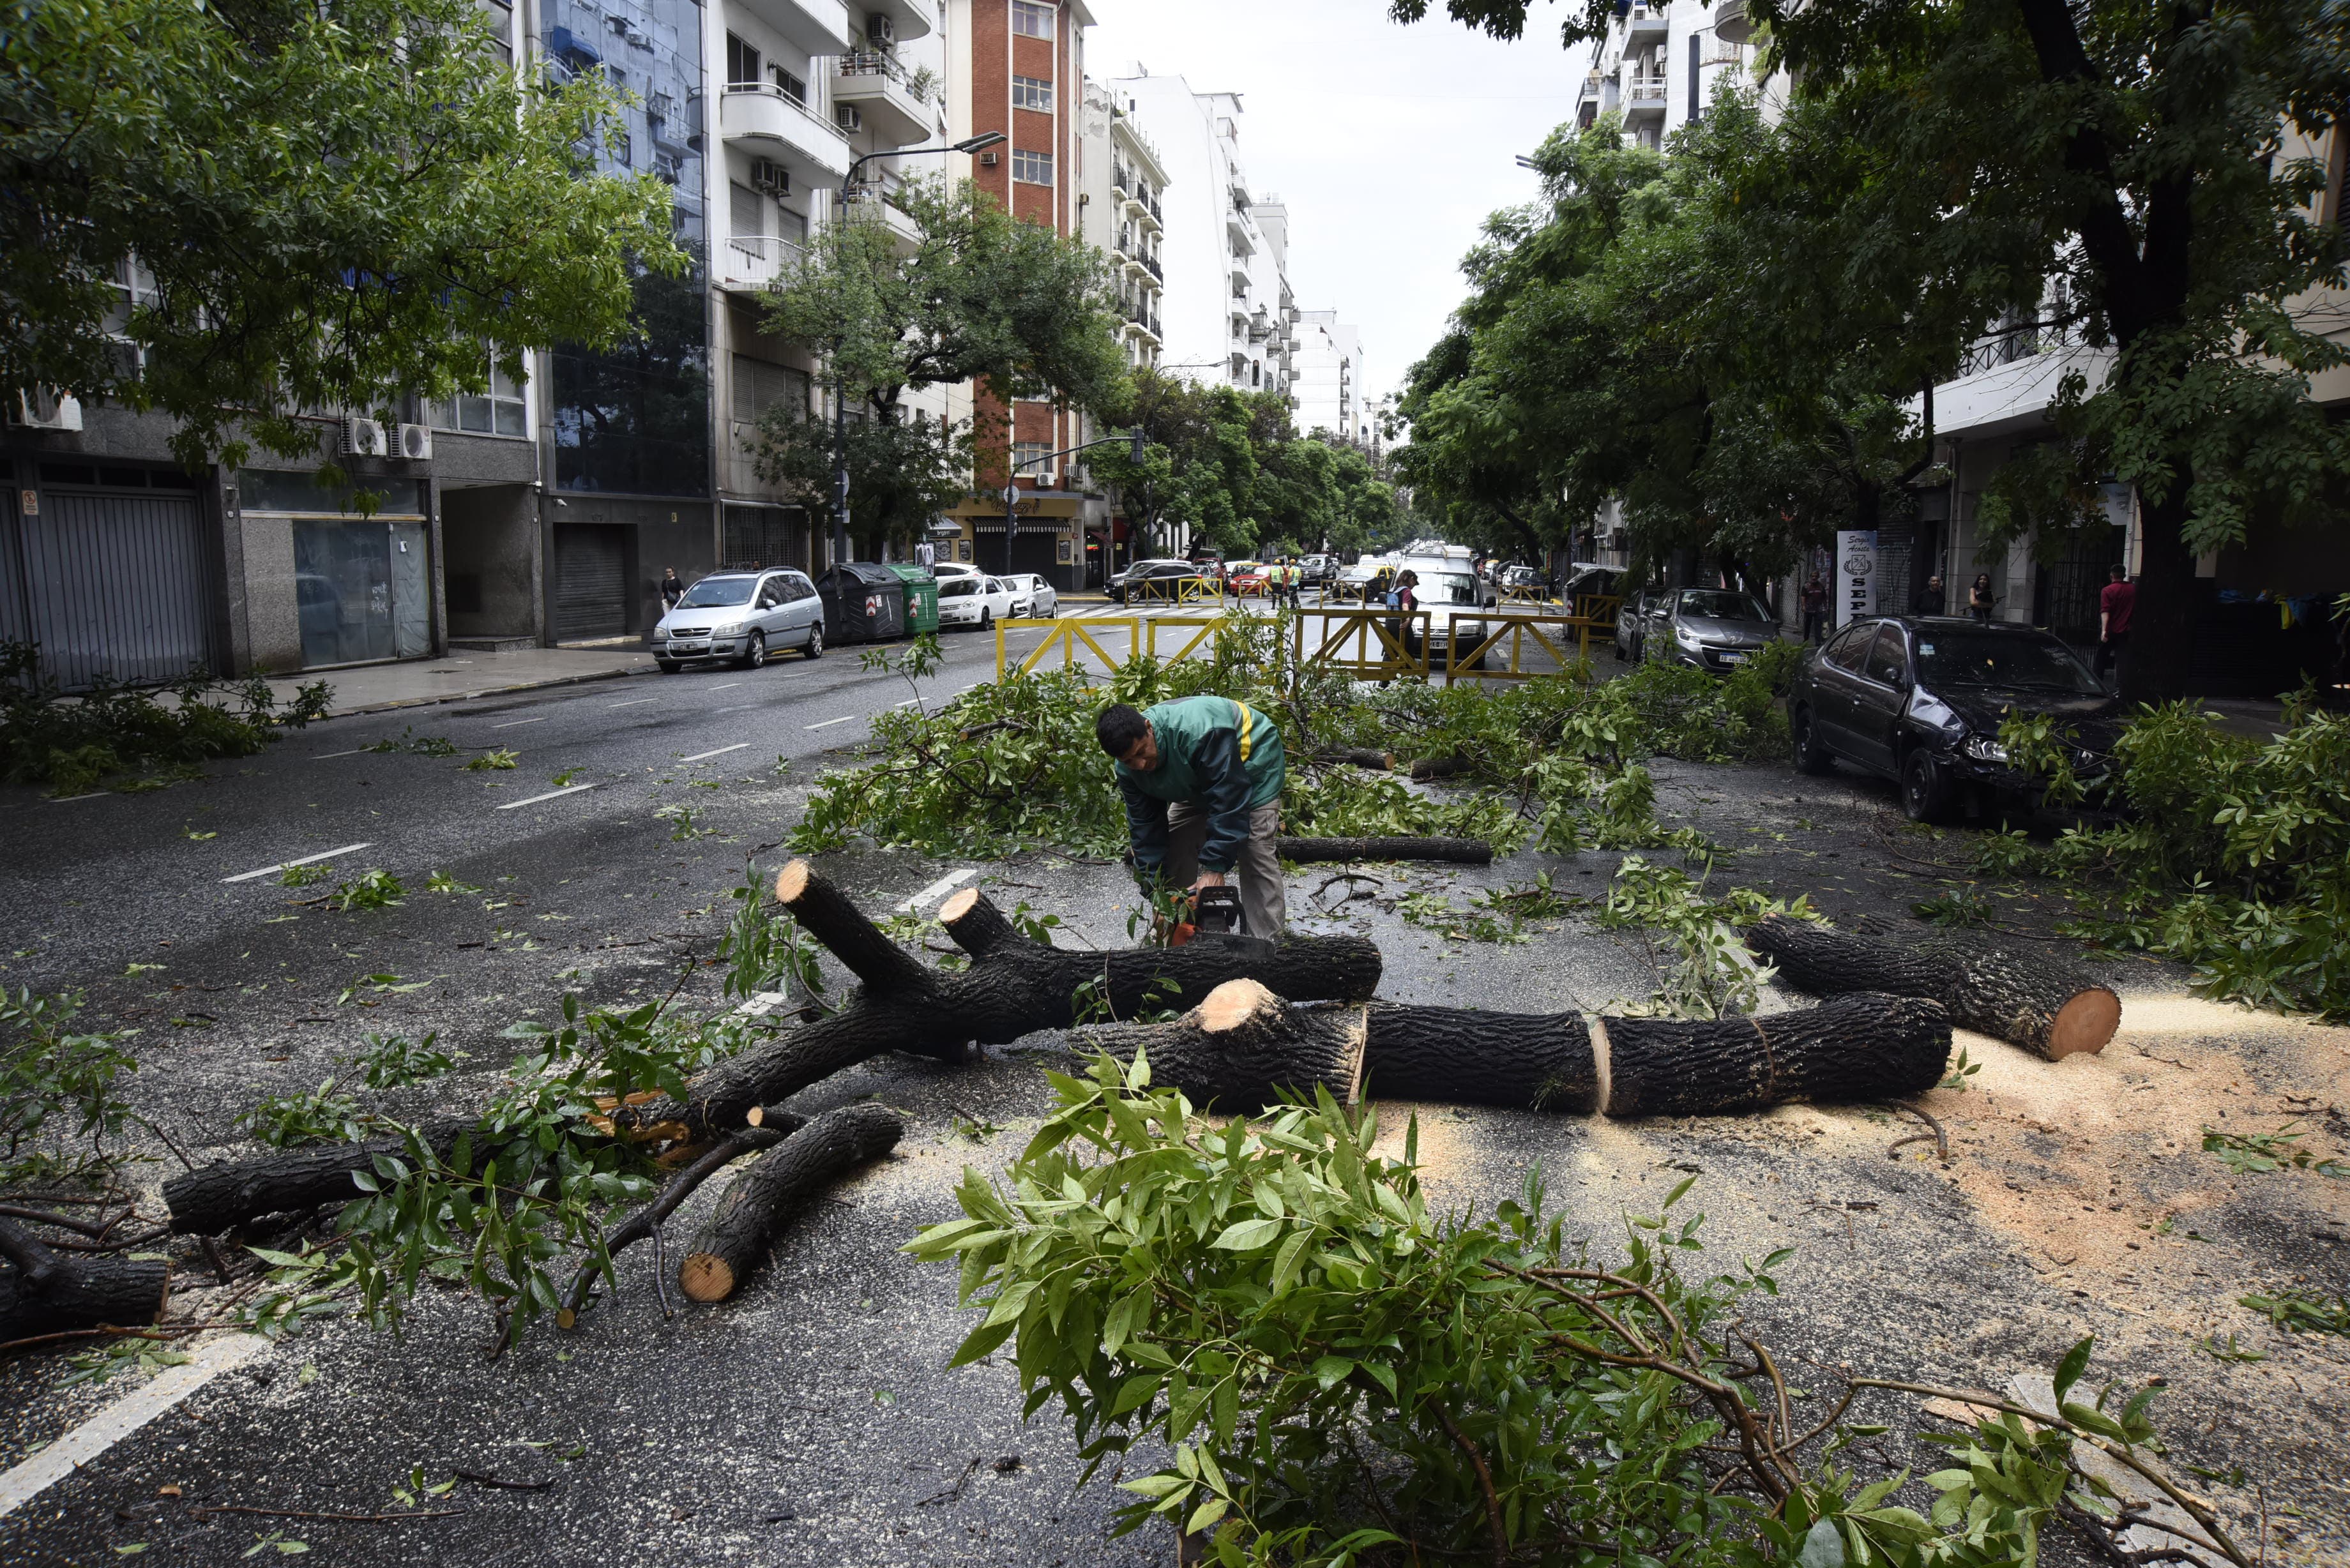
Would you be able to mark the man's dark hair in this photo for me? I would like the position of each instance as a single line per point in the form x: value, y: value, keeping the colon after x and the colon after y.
x: 1118, y: 728
x: 2119, y: 572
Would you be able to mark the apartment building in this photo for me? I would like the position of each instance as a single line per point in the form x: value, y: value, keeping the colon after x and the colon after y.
x: 1329, y: 379
x: 1121, y: 203
x: 1658, y: 62
x: 1228, y: 310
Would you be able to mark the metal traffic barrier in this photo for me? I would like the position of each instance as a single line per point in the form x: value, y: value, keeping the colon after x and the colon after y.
x: 1174, y: 590
x: 1374, y: 644
x: 1066, y: 635
x: 1469, y: 656
x: 1599, y: 610
x: 1202, y: 628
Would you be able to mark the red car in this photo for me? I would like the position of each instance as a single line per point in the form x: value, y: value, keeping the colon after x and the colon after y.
x: 1252, y: 579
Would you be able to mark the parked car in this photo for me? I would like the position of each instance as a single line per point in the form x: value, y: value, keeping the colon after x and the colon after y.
x: 975, y: 602
x: 1519, y: 580
x: 1038, y: 597
x: 946, y: 569
x: 1632, y: 619
x: 741, y: 617
x: 1243, y: 578
x: 1920, y: 699
x: 1363, y: 582
x: 1319, y: 571
x: 1166, y: 577
x: 1712, y: 629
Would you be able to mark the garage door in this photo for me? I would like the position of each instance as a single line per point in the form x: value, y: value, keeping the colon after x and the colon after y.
x: 591, y: 581
x: 114, y: 587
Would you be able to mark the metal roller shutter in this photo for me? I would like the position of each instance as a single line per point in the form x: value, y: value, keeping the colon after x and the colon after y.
x: 591, y: 581
x: 117, y: 587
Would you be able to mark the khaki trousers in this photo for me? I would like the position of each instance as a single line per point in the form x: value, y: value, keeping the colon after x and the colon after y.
x: 1264, y: 907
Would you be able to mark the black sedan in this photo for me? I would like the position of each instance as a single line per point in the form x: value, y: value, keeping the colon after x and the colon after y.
x: 1154, y: 582
x: 1920, y: 699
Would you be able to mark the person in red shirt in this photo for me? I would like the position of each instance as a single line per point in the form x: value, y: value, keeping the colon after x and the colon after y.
x: 2114, y: 605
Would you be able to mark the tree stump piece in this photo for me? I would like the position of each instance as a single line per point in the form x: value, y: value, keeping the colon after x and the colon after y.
x: 1534, y: 1060
x: 758, y: 1203
x: 1862, y: 1047
x: 1239, y: 1049
x: 83, y: 1292
x: 217, y: 1197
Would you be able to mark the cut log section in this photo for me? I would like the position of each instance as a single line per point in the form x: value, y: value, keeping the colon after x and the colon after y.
x: 217, y: 1197
x: 1856, y: 1048
x: 1859, y: 1048
x: 1458, y: 851
x: 1015, y: 986
x: 1428, y: 768
x: 1357, y: 757
x: 42, y: 1292
x: 2020, y: 998
x: 782, y: 1181
x: 1238, y: 1050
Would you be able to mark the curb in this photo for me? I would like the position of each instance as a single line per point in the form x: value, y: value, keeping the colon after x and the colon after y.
x: 487, y: 692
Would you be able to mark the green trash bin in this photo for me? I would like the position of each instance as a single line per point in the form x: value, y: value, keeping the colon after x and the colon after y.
x: 921, y: 598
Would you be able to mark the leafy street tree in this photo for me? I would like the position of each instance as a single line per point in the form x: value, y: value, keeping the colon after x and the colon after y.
x: 238, y: 215
x: 901, y: 474
x: 2152, y: 171
x: 977, y: 296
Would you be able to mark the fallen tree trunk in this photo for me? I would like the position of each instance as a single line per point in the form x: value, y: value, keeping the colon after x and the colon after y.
x: 1864, y: 1047
x: 1015, y: 986
x: 1355, y: 756
x: 1238, y: 1050
x: 42, y: 1292
x: 786, y: 1180
x: 2020, y: 998
x: 1460, y: 851
x: 1855, y: 1048
x: 214, y: 1198
x: 1428, y: 768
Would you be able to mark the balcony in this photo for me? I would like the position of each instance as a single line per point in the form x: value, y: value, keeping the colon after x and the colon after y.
x: 871, y: 203
x: 1644, y: 96
x: 876, y: 86
x: 1236, y: 231
x: 1150, y: 264
x: 1591, y: 87
x: 809, y: 26
x: 1146, y: 212
x: 749, y: 262
x: 1730, y: 23
x: 772, y: 126
x: 911, y: 19
x: 1240, y: 280
x: 1645, y: 22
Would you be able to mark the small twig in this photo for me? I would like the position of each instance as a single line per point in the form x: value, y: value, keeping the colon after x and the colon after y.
x: 348, y: 1518
x: 168, y: 1141
x: 104, y: 1332
x: 1485, y: 1482
x: 216, y: 1258
x: 955, y: 1491
x: 660, y: 1271
x: 65, y: 1244
x: 501, y: 1483
x: 82, y: 1227
x: 1941, y: 1139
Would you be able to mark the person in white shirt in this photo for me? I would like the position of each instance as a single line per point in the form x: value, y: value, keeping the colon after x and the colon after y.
x: 926, y: 554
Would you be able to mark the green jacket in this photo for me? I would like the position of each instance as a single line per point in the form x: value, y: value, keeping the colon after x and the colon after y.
x: 1216, y: 753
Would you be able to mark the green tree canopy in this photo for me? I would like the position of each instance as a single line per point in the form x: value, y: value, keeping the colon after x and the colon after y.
x: 330, y: 203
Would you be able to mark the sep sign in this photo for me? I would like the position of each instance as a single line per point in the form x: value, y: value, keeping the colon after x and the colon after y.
x: 1856, y: 575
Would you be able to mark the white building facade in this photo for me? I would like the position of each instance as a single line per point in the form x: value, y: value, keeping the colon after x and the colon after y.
x: 1328, y: 378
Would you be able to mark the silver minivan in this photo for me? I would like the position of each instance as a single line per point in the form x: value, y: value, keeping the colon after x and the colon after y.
x: 743, y: 617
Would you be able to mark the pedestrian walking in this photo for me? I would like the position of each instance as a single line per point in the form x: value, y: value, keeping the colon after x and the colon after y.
x: 1930, y: 599
x: 1816, y: 609
x: 2116, y: 602
x: 1404, y: 598
x: 1979, y: 598
x: 926, y: 554
x: 672, y: 590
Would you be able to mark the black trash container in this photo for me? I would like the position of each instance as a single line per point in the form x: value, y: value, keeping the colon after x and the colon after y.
x: 864, y: 601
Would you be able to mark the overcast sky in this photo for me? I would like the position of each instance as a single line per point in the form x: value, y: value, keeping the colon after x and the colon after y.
x: 1389, y: 144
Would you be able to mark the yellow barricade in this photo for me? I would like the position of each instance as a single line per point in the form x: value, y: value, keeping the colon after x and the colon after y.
x: 1599, y: 610
x: 1469, y: 648
x: 1202, y: 630
x: 1174, y: 590
x: 1526, y: 594
x: 1066, y: 635
x: 1375, y: 644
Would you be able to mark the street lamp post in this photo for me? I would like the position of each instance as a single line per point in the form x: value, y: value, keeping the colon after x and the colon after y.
x: 839, y: 382
x: 1011, y: 490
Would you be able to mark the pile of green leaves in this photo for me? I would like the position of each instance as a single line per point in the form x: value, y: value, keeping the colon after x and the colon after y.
x: 58, y: 1087
x: 1703, y: 970
x: 74, y: 745
x: 1344, y: 1377
x: 2232, y: 853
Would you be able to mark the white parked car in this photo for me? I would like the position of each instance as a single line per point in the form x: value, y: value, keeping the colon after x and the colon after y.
x: 975, y: 601
x: 742, y: 618
x: 1038, y: 597
x: 945, y: 569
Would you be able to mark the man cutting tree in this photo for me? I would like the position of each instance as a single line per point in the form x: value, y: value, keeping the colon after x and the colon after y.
x: 1202, y: 780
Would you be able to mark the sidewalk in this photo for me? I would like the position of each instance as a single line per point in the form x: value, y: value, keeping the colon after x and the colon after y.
x: 415, y: 683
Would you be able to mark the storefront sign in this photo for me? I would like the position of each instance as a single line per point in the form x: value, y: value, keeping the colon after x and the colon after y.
x: 1856, y: 575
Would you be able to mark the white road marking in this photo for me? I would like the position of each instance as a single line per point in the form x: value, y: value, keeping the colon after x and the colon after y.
x: 705, y: 756
x: 324, y: 755
x: 828, y: 723
x: 907, y: 704
x: 550, y: 795
x: 86, y: 1442
x: 518, y: 723
x: 61, y: 799
x: 728, y: 687
x: 305, y: 860
x: 937, y: 890
x: 638, y: 703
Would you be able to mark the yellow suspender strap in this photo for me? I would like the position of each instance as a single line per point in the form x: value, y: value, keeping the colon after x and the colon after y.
x: 1248, y: 727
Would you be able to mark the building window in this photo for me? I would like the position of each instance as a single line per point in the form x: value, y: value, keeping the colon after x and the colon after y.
x: 1028, y: 458
x: 741, y: 63
x: 1030, y: 92
x: 790, y: 86
x: 1032, y: 21
x: 760, y: 386
x: 1036, y: 168
x: 498, y: 411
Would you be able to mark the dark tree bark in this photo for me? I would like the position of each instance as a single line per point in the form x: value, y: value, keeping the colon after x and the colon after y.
x: 1238, y: 1050
x: 1538, y: 1060
x: 1428, y: 768
x: 209, y: 1201
x: 1862, y: 1047
x: 1460, y: 851
x: 1014, y: 987
x: 784, y: 1180
x: 2020, y: 998
x: 82, y: 1292
x: 1357, y: 756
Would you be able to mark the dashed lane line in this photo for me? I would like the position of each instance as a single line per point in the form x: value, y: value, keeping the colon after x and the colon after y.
x: 550, y: 795
x: 828, y: 723
x: 305, y: 860
x: 636, y: 702
x: 85, y: 1443
x: 518, y: 723
x: 937, y: 890
x: 705, y: 756
x: 325, y: 756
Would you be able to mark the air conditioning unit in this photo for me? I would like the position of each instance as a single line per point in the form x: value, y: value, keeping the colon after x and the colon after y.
x: 415, y: 442
x: 987, y: 160
x: 366, y: 437
x: 882, y: 29
x: 47, y: 408
x: 771, y: 177
x: 849, y: 117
